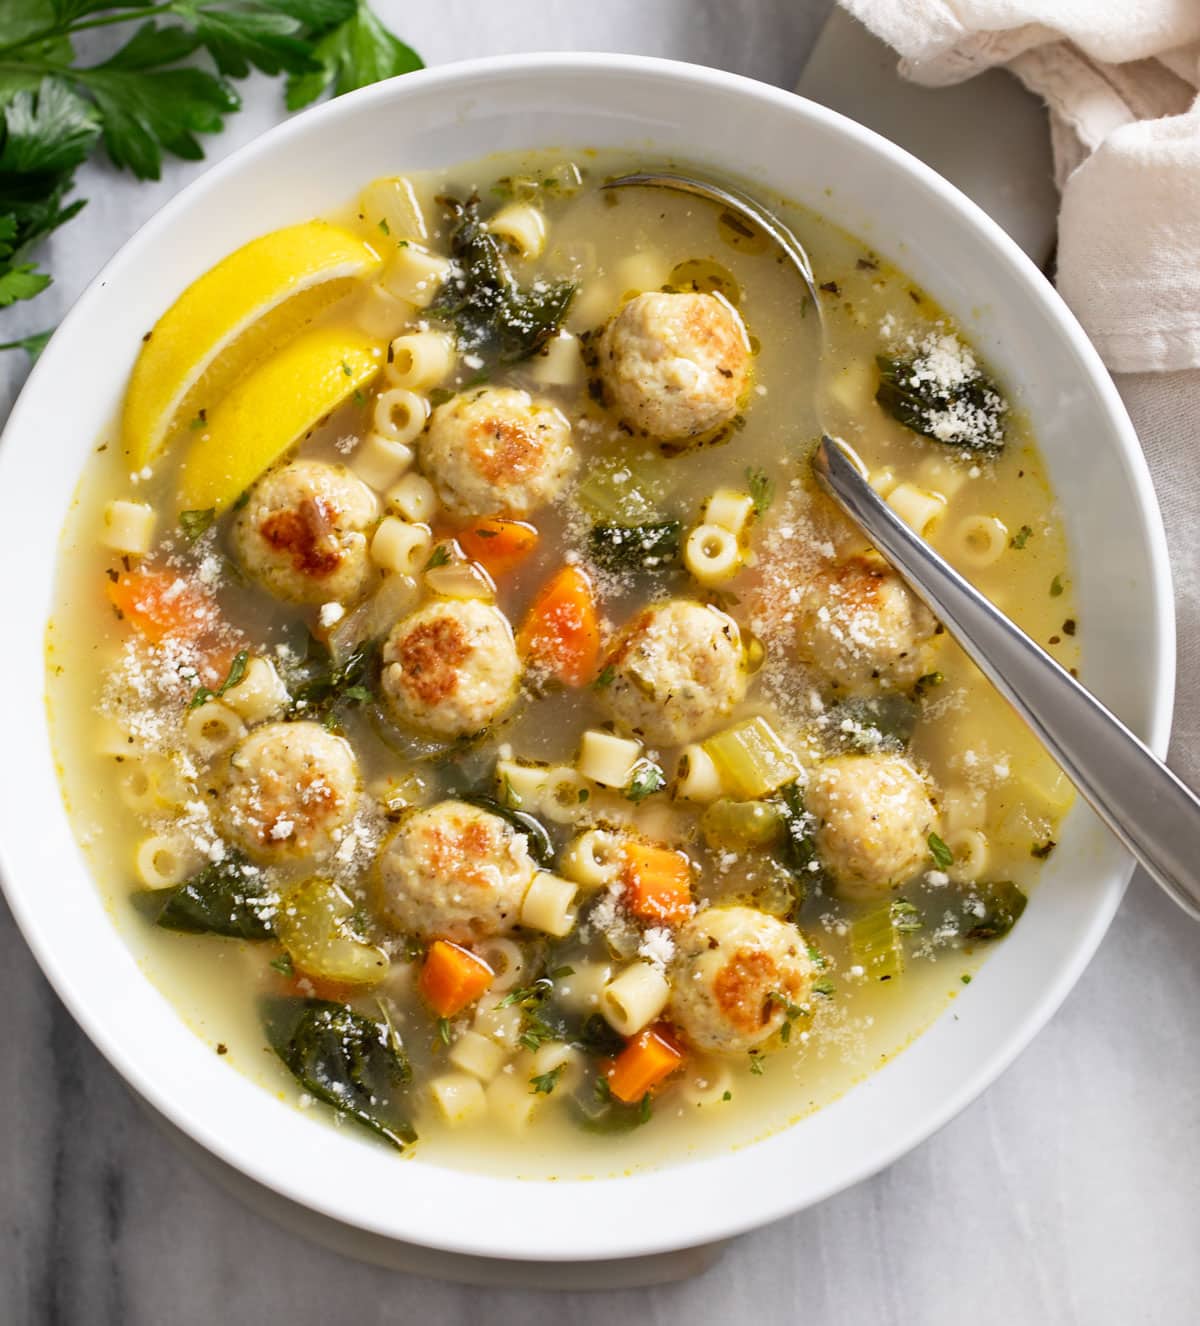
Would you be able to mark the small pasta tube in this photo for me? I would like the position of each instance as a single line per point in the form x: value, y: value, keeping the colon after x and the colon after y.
x: 607, y: 759
x: 854, y: 387
x: 634, y: 998
x: 920, y: 509
x: 400, y: 546
x: 641, y: 271
x: 883, y: 481
x: 594, y: 302
x: 506, y: 960
x: 942, y: 476
x: 971, y: 855
x: 260, y: 694
x: 729, y: 509
x: 460, y: 1098
x: 594, y: 859
x: 963, y: 807
x: 420, y: 360
x: 559, y: 363
x: 114, y: 739
x: 712, y: 554
x: 381, y: 461
x: 521, y: 786
x: 566, y: 794
x: 414, y: 499
x: 511, y: 1101
x: 979, y: 540
x: 580, y: 992
x: 380, y: 314
x: 523, y: 226
x: 416, y: 275
x: 400, y: 415
x: 213, y: 728
x: 496, y: 1023
x: 706, y: 1082
x: 697, y: 777
x: 478, y: 1055
x: 392, y: 200
x: 128, y: 527
x: 150, y: 784
x: 556, y: 1057
x: 549, y: 905
x: 165, y: 860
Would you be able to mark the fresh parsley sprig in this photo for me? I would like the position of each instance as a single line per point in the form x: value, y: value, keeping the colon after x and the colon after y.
x: 166, y: 85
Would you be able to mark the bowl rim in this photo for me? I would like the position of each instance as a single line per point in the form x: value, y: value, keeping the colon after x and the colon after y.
x: 718, y: 1221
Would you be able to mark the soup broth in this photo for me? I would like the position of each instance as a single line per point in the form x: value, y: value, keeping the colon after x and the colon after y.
x: 533, y: 764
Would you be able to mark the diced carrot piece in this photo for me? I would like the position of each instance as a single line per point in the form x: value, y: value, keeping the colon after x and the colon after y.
x: 647, y: 1060
x: 499, y: 546
x: 452, y: 978
x: 159, y: 604
x: 658, y: 883
x: 561, y: 631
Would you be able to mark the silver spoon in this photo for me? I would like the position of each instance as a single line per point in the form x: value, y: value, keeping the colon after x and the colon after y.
x: 1133, y: 792
x: 1145, y: 805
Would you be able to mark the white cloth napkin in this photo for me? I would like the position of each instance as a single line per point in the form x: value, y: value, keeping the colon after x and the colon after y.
x: 1120, y: 78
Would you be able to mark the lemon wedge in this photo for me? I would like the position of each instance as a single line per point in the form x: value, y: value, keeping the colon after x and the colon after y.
x: 239, y: 311
x: 270, y: 409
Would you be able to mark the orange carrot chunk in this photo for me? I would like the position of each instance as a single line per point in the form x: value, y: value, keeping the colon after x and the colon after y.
x: 647, y: 1060
x: 658, y: 883
x: 452, y: 978
x: 159, y: 604
x: 561, y: 631
x: 499, y: 546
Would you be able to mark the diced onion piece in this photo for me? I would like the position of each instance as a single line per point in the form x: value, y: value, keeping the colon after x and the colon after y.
x: 559, y: 363
x: 634, y: 998
x: 128, y: 527
x: 712, y: 554
x: 461, y: 580
x: 607, y: 759
x: 380, y: 462
x: 751, y: 760
x: 549, y: 905
x: 730, y: 510
x: 391, y: 199
x: 400, y: 546
x: 413, y: 499
x: 460, y: 1098
x: 511, y: 1101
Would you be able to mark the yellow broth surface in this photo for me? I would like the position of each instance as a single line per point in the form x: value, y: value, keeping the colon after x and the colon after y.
x: 118, y: 706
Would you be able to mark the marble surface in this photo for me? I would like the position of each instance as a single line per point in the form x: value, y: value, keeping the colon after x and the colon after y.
x: 1065, y: 1195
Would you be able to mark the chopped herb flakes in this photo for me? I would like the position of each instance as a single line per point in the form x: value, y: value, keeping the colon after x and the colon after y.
x: 762, y: 490
x: 943, y: 857
x: 1020, y: 538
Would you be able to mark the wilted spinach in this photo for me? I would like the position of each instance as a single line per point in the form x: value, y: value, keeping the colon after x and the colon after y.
x: 320, y: 688
x: 871, y: 723
x: 225, y: 898
x: 652, y: 547
x: 492, y: 315
x: 967, y: 413
x: 1002, y: 902
x: 541, y: 846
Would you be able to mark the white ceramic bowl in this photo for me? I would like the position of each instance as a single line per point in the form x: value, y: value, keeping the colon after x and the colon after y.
x: 800, y: 150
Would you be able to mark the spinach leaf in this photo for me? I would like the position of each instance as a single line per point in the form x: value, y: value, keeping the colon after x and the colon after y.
x: 226, y: 898
x: 597, y: 1038
x: 966, y: 413
x: 491, y: 314
x: 320, y: 687
x: 798, y: 852
x: 1002, y: 904
x: 346, y: 1060
x: 651, y: 547
x: 599, y: 1111
x: 541, y: 848
x: 877, y: 722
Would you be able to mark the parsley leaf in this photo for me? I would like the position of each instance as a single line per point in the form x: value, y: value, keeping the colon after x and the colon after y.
x: 647, y: 779
x: 355, y: 53
x: 762, y: 490
x: 943, y: 857
x: 1020, y: 538
x: 544, y: 1083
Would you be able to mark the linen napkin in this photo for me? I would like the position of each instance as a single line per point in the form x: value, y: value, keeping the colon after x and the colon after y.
x: 1120, y: 80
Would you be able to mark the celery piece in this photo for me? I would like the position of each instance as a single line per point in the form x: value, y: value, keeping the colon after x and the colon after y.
x: 876, y: 945
x: 736, y: 825
x: 751, y: 759
x: 625, y: 488
x: 313, y: 925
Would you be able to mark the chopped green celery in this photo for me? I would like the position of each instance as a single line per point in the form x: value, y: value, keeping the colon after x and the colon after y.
x: 751, y: 759
x: 625, y: 487
x: 876, y: 944
x: 735, y: 825
x: 313, y: 925
x: 993, y: 909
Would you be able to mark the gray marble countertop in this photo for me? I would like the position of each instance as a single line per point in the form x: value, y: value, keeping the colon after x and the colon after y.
x: 1066, y: 1194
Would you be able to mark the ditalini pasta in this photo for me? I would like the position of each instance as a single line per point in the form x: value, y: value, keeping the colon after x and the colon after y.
x: 524, y: 757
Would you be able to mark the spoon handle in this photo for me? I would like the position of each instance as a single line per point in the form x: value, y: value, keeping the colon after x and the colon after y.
x: 1134, y: 793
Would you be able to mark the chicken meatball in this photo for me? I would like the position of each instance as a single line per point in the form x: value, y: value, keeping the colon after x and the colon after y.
x: 497, y: 451
x: 451, y: 667
x: 675, y: 365
x: 454, y: 871
x: 734, y: 972
x: 874, y: 815
x: 677, y: 670
x: 289, y: 789
x: 861, y: 628
x: 303, y: 534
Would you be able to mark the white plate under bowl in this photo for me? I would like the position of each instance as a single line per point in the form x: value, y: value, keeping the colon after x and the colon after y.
x: 800, y: 150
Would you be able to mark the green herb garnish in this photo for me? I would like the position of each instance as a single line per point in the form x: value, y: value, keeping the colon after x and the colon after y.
x: 544, y: 1083
x: 196, y: 523
x: 283, y: 965
x: 762, y: 490
x: 237, y: 670
x: 439, y: 557
x: 647, y: 778
x: 608, y: 674
x: 225, y: 898
x: 1020, y: 538
x: 1056, y: 587
x: 943, y: 857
